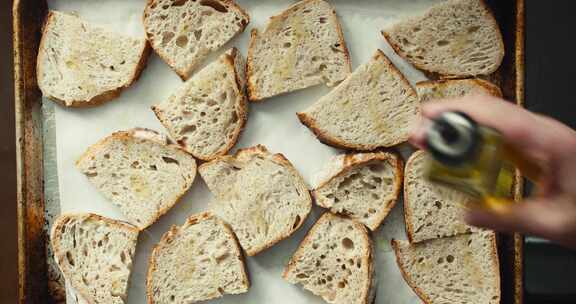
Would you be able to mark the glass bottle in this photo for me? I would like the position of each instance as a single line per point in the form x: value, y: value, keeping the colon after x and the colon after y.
x: 472, y: 158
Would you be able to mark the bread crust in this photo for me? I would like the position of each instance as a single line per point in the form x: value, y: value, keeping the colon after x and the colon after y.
x: 242, y: 105
x: 407, y: 204
x: 342, y: 41
x: 352, y: 161
x: 281, y: 160
x: 185, y: 75
x: 250, y: 87
x: 419, y: 292
x: 131, y: 135
x: 169, y: 236
x: 488, y: 86
x: 104, y: 96
x: 253, y: 94
x: 398, y: 49
x: 491, y: 88
x: 330, y: 140
x: 369, y: 292
x: 56, y: 233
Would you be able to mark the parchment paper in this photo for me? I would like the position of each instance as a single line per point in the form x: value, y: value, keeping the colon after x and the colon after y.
x: 272, y: 123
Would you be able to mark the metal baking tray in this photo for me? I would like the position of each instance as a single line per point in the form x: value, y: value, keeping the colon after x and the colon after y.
x: 37, y: 279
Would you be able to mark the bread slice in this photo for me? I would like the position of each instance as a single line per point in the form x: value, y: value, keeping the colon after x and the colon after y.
x: 199, y: 261
x: 259, y: 194
x: 363, y: 186
x: 431, y: 210
x: 139, y: 172
x: 206, y: 114
x: 441, y: 89
x: 301, y: 47
x: 374, y: 107
x: 456, y: 38
x: 185, y: 32
x: 95, y: 256
x: 459, y: 269
x: 80, y: 64
x: 334, y: 261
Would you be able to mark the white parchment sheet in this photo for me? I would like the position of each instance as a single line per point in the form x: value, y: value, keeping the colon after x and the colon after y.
x: 272, y: 123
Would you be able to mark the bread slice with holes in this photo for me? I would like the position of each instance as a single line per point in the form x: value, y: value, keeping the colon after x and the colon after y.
x: 363, y: 186
x: 95, y: 256
x: 431, y: 210
x: 259, y: 194
x: 206, y: 114
x: 334, y: 261
x: 185, y: 32
x: 374, y: 107
x: 81, y: 64
x: 198, y: 261
x: 444, y: 89
x: 456, y: 38
x: 301, y: 47
x: 459, y: 269
x: 140, y: 172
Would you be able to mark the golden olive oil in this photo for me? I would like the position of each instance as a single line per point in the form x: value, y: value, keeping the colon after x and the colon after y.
x: 470, y: 158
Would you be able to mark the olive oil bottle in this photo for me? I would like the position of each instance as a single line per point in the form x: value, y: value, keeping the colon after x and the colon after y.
x: 471, y: 158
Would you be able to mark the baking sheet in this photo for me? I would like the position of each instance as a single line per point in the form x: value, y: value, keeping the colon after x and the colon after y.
x: 272, y: 123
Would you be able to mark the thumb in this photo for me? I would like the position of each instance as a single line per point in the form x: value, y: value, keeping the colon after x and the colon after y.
x: 553, y: 219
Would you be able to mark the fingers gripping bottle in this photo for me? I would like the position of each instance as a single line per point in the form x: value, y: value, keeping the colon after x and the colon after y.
x: 471, y: 158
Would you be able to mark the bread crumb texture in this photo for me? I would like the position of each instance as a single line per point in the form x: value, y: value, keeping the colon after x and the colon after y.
x: 460, y: 269
x: 79, y: 63
x: 197, y: 261
x: 334, y: 261
x: 95, y: 255
x: 185, y: 32
x: 301, y: 47
x: 456, y: 38
x: 365, y: 188
x: 140, y: 175
x: 259, y: 194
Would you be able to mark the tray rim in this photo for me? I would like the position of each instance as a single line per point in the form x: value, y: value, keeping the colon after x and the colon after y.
x: 519, y: 63
x: 29, y: 160
x: 30, y: 194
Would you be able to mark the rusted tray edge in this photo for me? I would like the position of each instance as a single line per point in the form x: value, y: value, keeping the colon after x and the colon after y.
x: 30, y: 195
x: 520, y: 60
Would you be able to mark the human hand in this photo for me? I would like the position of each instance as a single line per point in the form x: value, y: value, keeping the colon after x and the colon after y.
x: 549, y: 144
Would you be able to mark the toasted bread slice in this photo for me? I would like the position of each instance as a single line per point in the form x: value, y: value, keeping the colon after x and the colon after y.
x: 185, y: 32
x: 95, y: 256
x: 374, y: 107
x: 206, y: 114
x: 301, y: 47
x: 334, y: 261
x: 443, y: 89
x: 259, y: 194
x: 456, y: 38
x: 364, y: 186
x: 431, y: 210
x: 198, y: 261
x: 459, y: 269
x: 80, y: 64
x: 139, y: 172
